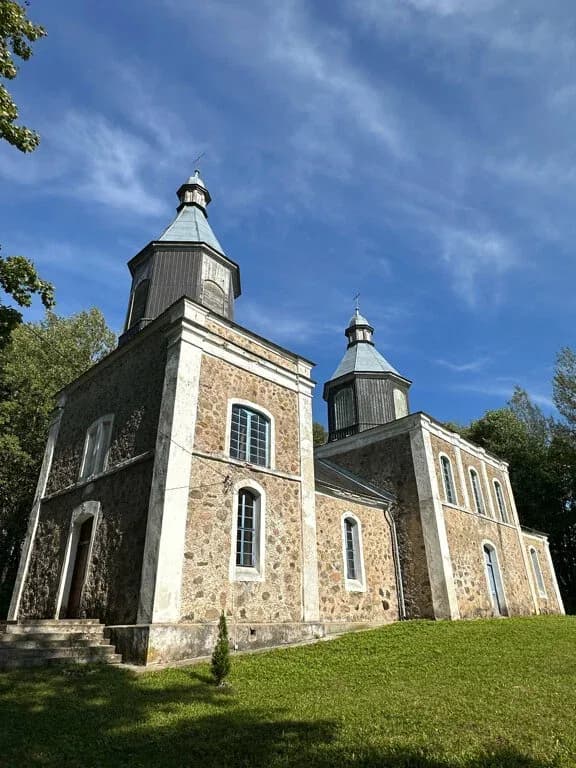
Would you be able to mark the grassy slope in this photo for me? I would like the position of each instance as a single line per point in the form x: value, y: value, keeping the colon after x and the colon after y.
x: 484, y: 693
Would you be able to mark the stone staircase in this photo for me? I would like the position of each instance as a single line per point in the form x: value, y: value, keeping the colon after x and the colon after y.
x: 42, y: 642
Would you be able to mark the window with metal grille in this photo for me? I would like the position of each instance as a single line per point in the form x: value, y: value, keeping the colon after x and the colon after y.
x: 250, y: 436
x: 247, y: 529
x: 351, y: 534
x: 478, y: 498
x: 449, y: 489
x: 537, y: 572
x: 501, y: 502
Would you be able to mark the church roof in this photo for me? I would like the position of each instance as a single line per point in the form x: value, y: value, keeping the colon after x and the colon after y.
x: 330, y: 475
x: 363, y: 358
x: 191, y: 226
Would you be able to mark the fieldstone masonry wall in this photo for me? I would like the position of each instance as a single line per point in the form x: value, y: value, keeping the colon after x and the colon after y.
x: 547, y: 603
x: 379, y: 603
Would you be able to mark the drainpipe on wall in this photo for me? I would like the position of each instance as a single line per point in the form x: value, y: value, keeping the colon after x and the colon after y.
x: 397, y: 565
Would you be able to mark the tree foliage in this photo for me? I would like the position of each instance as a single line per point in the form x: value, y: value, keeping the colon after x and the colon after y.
x: 16, y: 34
x: 319, y: 434
x: 39, y: 359
x: 220, y: 665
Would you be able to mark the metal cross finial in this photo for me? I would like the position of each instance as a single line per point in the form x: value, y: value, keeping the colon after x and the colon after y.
x: 357, y: 302
x: 196, y: 159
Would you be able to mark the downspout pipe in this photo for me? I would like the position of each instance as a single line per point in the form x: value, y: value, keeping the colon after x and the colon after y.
x: 397, y: 565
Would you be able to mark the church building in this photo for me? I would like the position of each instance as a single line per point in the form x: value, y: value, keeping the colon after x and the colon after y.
x: 180, y: 480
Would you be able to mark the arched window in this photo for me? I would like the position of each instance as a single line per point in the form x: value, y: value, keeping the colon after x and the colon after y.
x: 250, y: 436
x: 500, y: 500
x: 447, y: 477
x: 96, y: 444
x: 139, y: 301
x: 477, y: 490
x: 537, y: 572
x: 353, y: 555
x: 494, y: 579
x: 344, y: 411
x: 214, y: 297
x: 247, y: 557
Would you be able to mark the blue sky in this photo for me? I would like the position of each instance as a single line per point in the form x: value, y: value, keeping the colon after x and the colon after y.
x: 420, y: 152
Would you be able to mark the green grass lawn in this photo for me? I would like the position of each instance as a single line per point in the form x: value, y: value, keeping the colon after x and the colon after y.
x: 466, y: 694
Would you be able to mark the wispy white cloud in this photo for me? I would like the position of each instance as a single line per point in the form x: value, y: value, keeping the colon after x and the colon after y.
x: 469, y: 367
x: 504, y: 392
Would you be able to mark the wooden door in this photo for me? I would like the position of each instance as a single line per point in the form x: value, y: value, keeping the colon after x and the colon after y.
x: 79, y: 572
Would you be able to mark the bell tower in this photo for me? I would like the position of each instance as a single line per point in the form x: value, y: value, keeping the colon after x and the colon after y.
x: 186, y: 260
x: 365, y: 390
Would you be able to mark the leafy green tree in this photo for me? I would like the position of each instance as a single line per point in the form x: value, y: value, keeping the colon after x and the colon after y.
x: 220, y: 665
x: 19, y: 280
x: 39, y: 360
x: 319, y: 434
x: 564, y: 386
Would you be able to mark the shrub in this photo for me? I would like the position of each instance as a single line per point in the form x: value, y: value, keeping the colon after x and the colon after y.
x: 220, y: 666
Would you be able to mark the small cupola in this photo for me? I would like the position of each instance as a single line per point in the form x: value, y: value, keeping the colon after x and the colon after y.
x: 194, y: 192
x: 364, y: 391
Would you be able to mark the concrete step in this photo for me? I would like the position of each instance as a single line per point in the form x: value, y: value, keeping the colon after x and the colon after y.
x: 49, y: 627
x: 44, y: 657
x: 51, y: 640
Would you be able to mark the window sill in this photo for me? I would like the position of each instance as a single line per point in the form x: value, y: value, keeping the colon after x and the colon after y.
x: 353, y: 585
x: 247, y: 574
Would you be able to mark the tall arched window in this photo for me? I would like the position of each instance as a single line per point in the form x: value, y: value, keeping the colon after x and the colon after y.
x: 248, y: 534
x: 537, y: 572
x: 448, y: 479
x: 353, y: 555
x: 494, y: 579
x: 250, y: 436
x: 500, y: 500
x: 477, y: 490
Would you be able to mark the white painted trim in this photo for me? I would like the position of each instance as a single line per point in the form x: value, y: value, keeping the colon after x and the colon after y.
x: 79, y: 516
x: 499, y: 579
x: 462, y: 477
x: 163, y: 559
x: 309, y: 540
x: 445, y: 456
x: 257, y: 408
x: 353, y: 585
x: 537, y: 571
x: 514, y: 518
x: 439, y: 561
x: 242, y: 573
x: 554, y: 579
x: 30, y: 538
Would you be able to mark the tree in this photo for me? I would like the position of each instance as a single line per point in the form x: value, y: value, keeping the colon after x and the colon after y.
x: 18, y: 277
x: 319, y: 434
x: 220, y: 665
x: 564, y: 386
x: 39, y: 359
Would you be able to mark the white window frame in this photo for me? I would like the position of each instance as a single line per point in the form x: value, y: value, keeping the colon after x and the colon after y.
x: 500, y: 501
x: 452, y: 483
x: 80, y: 515
x: 102, y: 449
x: 471, y: 472
x: 499, y: 580
x: 537, y: 570
x: 271, y: 431
x: 256, y: 572
x: 358, y: 584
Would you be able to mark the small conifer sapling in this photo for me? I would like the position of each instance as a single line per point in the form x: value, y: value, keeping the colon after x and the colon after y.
x: 221, y: 655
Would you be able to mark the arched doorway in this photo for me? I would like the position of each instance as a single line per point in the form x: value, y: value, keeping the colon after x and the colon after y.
x: 75, y: 568
x: 79, y: 568
x: 494, y: 580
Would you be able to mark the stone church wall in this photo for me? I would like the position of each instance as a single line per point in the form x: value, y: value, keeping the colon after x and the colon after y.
x: 206, y: 585
x: 388, y: 464
x: 128, y: 384
x: 378, y: 603
x: 546, y: 603
x: 466, y: 534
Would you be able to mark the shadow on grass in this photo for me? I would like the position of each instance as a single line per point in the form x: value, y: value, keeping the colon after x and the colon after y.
x: 95, y: 718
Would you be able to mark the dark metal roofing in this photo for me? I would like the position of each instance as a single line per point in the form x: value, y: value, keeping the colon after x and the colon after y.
x: 191, y: 226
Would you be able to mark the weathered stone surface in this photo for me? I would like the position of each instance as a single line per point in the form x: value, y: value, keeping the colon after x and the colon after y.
x: 549, y: 602
x: 379, y: 603
x: 206, y: 585
x: 467, y: 532
x: 261, y: 350
x: 220, y: 381
x: 130, y: 387
x: 388, y: 464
